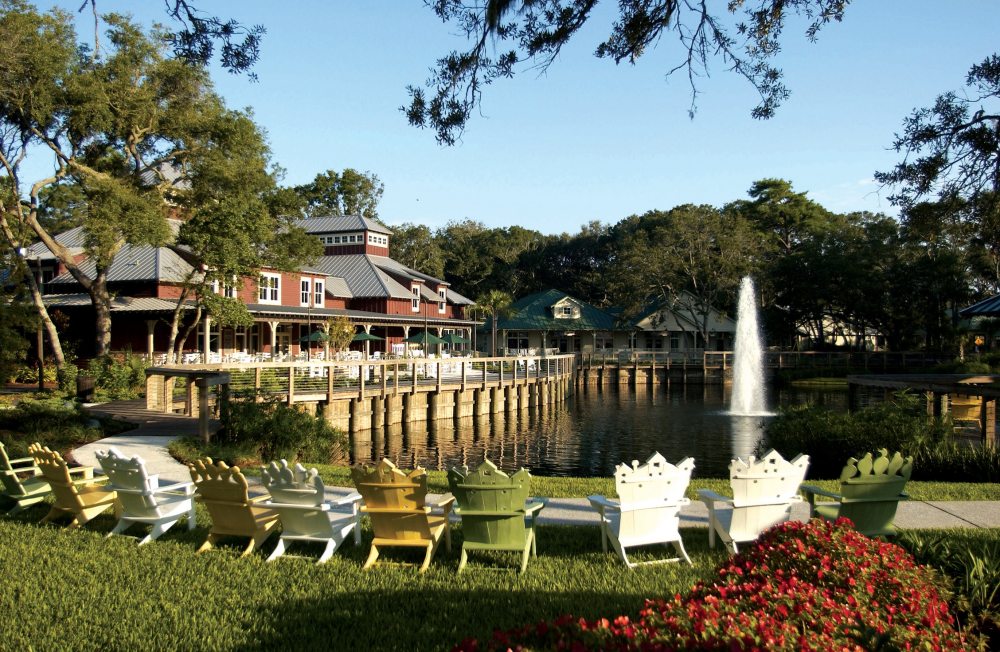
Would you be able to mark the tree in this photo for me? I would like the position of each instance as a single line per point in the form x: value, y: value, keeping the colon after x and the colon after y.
x: 416, y: 246
x: 496, y: 304
x: 688, y: 260
x: 507, y: 33
x: 122, y: 125
x: 345, y: 193
x: 339, y: 332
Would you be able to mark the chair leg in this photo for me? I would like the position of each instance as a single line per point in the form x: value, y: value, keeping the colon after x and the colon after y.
x: 447, y: 536
x: 55, y: 511
x: 278, y: 550
x: 524, y: 557
x: 464, y: 560
x: 157, y: 531
x: 120, y: 527
x: 372, y: 556
x: 192, y: 520
x: 209, y: 543
x: 331, y: 547
x: 430, y: 555
x: 679, y: 544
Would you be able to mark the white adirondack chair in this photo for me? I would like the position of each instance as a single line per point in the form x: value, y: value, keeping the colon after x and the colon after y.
x: 763, y: 493
x: 298, y: 497
x: 648, y: 509
x: 142, y: 498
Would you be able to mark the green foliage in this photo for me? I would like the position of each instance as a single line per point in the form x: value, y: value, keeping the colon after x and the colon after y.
x: 55, y: 422
x: 121, y: 376
x: 339, y: 332
x: 66, y: 377
x: 830, y: 438
x: 279, y: 431
x: 345, y: 193
x: 972, y: 561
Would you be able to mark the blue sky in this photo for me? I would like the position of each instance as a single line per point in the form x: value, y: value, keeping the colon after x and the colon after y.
x: 589, y: 140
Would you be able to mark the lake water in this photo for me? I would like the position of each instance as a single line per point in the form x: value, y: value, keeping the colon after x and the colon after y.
x: 591, y: 432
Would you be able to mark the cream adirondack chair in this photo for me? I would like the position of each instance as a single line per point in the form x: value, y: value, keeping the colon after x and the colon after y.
x: 234, y: 513
x: 396, y: 504
x: 24, y: 491
x: 647, y: 512
x: 299, y: 498
x: 84, y: 497
x: 143, y: 499
x: 763, y: 493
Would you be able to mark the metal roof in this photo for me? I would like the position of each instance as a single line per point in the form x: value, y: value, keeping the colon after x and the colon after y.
x: 388, y: 264
x: 75, y: 240
x: 362, y: 277
x: 989, y: 307
x: 337, y: 287
x: 137, y: 263
x: 341, y: 223
x: 531, y: 313
x: 118, y: 304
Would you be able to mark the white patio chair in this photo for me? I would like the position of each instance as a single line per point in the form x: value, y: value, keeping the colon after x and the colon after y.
x: 648, y: 509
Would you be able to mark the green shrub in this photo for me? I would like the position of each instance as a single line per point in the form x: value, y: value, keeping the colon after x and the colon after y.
x: 278, y: 431
x: 67, y: 378
x: 830, y: 438
x: 119, y: 377
x: 54, y: 422
x: 953, y: 462
x: 973, y: 565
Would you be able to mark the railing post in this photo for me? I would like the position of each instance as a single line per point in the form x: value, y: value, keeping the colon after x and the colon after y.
x: 291, y: 384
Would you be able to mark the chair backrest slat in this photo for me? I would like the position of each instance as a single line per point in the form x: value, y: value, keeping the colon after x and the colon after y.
x: 491, y: 503
x: 399, y: 497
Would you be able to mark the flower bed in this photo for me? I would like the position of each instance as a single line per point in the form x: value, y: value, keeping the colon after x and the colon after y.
x: 802, y: 586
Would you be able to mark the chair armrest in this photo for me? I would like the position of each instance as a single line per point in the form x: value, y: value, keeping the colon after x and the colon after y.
x: 22, y: 460
x: 534, y: 505
x: 87, y: 471
x: 600, y: 503
x: 709, y: 497
x: 444, y: 503
x: 346, y: 500
x: 188, y: 488
x: 811, y: 490
x: 86, y: 480
x: 258, y: 499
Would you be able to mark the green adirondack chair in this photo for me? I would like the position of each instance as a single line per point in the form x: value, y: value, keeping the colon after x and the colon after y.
x: 870, y: 491
x: 495, y: 509
x: 24, y: 491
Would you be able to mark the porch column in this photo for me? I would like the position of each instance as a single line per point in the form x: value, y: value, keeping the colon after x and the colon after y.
x: 274, y: 337
x: 206, y: 343
x: 150, y: 325
x: 368, y: 331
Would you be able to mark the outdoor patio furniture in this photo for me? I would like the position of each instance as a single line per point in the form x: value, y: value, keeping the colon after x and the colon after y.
x: 299, y: 498
x: 143, y: 499
x: 224, y: 491
x: 396, y: 504
x: 84, y: 498
x: 647, y: 511
x: 495, y: 510
x: 25, y: 491
x: 763, y: 493
x: 870, y: 491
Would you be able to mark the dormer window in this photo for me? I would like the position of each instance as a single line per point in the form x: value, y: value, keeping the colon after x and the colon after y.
x: 566, y: 310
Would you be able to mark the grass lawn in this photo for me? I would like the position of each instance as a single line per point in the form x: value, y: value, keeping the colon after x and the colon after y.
x: 76, y: 590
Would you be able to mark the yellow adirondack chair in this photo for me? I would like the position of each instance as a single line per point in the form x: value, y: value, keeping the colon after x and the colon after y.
x: 22, y: 481
x: 396, y: 504
x: 83, y: 498
x: 234, y: 513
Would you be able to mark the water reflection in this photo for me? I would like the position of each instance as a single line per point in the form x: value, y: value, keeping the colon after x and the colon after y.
x: 589, y: 433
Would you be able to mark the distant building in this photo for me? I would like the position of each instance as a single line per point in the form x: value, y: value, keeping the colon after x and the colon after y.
x: 355, y: 278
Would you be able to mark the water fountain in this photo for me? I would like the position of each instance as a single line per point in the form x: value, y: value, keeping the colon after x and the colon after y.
x: 748, y: 396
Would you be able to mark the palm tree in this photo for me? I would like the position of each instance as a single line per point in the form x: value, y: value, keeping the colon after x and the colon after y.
x: 496, y: 304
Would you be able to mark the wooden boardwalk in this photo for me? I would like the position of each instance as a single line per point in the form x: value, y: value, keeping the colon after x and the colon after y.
x: 149, y: 422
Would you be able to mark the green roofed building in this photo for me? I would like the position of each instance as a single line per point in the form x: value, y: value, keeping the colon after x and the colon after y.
x: 553, y: 320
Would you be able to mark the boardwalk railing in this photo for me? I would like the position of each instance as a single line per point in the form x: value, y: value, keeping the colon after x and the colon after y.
x: 866, y: 360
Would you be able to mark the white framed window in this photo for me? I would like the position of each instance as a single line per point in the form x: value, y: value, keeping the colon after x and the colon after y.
x: 442, y: 300
x: 415, y: 301
x: 318, y: 292
x: 305, y: 290
x: 270, y: 288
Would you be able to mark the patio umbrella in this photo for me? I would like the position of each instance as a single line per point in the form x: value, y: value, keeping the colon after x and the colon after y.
x: 454, y: 338
x: 366, y: 337
x: 315, y: 336
x: 419, y: 338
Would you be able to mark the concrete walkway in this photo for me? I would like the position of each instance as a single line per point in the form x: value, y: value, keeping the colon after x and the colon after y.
x: 155, y: 431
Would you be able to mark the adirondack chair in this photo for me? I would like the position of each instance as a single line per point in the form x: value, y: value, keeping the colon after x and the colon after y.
x: 496, y: 511
x: 298, y: 497
x: 763, y: 493
x: 142, y: 498
x: 396, y: 504
x: 647, y: 511
x: 223, y: 489
x: 24, y: 491
x: 870, y: 491
x: 83, y: 498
